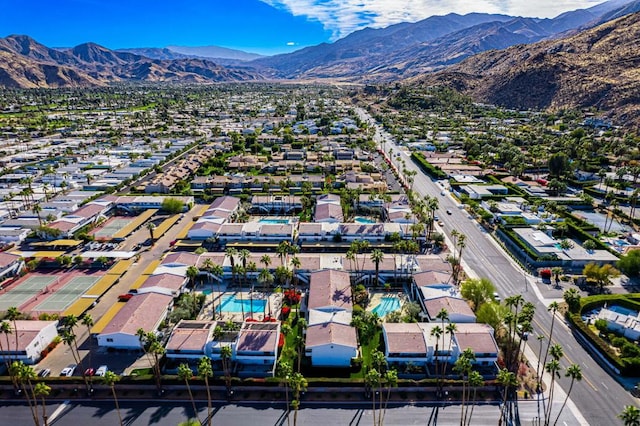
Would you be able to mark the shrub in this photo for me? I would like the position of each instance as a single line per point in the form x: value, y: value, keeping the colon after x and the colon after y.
x: 601, y: 324
x: 618, y: 342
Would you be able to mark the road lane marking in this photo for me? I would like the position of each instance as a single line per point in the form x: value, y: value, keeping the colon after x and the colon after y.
x: 58, y: 410
x: 584, y: 376
x: 605, y: 386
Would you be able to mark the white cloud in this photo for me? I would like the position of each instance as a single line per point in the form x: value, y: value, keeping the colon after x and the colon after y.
x: 291, y: 43
x: 342, y: 17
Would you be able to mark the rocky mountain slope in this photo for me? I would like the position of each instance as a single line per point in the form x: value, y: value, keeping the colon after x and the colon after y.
x: 26, y: 63
x: 409, y: 49
x: 599, y: 67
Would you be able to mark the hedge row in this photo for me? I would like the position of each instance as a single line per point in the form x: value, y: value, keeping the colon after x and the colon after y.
x: 518, y: 241
x: 602, y: 346
x: 426, y: 167
x: 630, y: 301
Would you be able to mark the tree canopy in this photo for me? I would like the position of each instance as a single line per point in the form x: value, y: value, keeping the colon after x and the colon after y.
x: 478, y: 291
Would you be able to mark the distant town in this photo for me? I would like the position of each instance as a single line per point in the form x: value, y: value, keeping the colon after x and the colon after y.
x: 301, y: 236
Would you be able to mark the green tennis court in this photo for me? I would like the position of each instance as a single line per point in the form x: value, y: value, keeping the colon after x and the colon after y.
x: 68, y: 294
x: 25, y: 290
x: 111, y: 227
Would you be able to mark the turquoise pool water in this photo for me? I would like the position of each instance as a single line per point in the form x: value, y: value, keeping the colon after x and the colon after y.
x: 274, y: 221
x: 387, y: 304
x: 360, y: 219
x: 622, y: 310
x: 231, y: 304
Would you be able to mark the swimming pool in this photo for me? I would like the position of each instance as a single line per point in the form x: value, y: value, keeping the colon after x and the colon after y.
x: 622, y: 310
x: 361, y: 219
x: 274, y: 221
x: 231, y: 304
x: 387, y: 304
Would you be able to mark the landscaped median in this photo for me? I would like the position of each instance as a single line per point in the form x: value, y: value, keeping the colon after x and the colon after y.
x: 254, y: 390
x: 602, y: 341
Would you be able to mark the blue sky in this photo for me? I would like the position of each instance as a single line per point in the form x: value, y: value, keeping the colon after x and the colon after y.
x: 260, y: 26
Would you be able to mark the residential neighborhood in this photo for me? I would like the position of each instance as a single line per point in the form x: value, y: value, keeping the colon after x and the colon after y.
x: 268, y: 244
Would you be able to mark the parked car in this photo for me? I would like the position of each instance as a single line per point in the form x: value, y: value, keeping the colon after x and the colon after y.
x: 102, y: 370
x: 89, y: 372
x: 68, y: 370
x: 45, y: 372
x: 496, y: 297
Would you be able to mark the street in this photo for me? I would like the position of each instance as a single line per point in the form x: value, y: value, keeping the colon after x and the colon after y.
x: 599, y: 397
x: 103, y: 413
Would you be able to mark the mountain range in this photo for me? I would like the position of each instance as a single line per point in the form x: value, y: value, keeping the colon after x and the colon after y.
x: 494, y: 58
x: 599, y: 67
x: 25, y: 63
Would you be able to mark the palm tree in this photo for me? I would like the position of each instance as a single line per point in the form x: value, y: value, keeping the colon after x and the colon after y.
x: 71, y: 339
x: 284, y: 372
x: 37, y: 209
x: 110, y: 378
x: 205, y: 371
x: 244, y: 256
x: 376, y: 257
x: 460, y: 244
x: 42, y: 390
x: 436, y: 332
x: 507, y: 380
x: 475, y: 380
x: 373, y: 381
x: 216, y: 271
x: 12, y: 315
x: 24, y: 374
x: 87, y: 321
x: 449, y: 329
x: 295, y: 264
x: 151, y: 226
x: 225, y: 357
x: 298, y: 384
x: 463, y: 366
x: 390, y: 379
x: 283, y: 250
x: 185, y: 373
x: 5, y: 328
x: 443, y: 316
x: 265, y: 260
x: 553, y: 368
x: 630, y: 416
x: 540, y: 338
x: 575, y: 373
x: 553, y: 308
x: 192, y: 274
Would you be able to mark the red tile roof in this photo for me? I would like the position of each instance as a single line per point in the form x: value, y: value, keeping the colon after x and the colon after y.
x: 330, y: 288
x: 405, y: 338
x: 143, y: 311
x: 331, y: 333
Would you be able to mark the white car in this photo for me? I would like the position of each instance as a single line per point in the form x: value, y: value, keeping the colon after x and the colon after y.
x: 68, y: 370
x: 102, y: 370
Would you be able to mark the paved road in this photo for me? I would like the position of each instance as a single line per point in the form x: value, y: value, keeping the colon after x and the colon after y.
x: 599, y: 397
x: 137, y: 413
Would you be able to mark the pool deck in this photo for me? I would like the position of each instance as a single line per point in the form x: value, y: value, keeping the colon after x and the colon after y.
x: 274, y: 301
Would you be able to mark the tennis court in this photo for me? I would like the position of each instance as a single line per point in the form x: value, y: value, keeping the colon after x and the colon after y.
x: 24, y: 291
x: 65, y: 296
x: 111, y: 227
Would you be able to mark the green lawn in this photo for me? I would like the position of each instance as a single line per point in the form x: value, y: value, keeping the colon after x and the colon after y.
x: 367, y: 349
